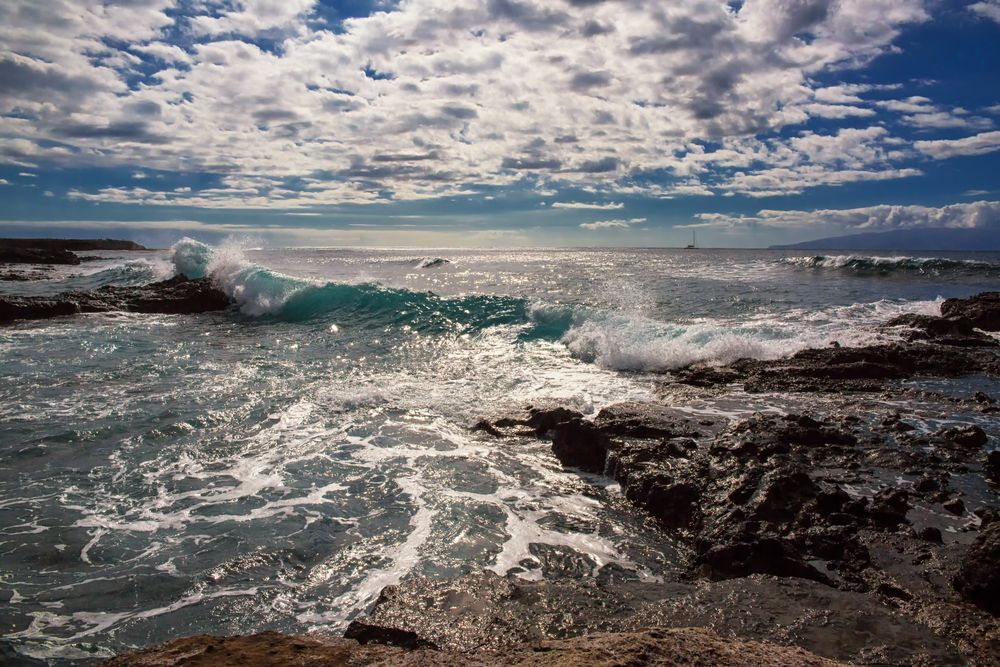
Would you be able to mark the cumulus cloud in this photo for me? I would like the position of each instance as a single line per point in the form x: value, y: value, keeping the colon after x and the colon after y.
x: 980, y: 144
x: 439, y: 98
x: 612, y: 224
x: 988, y: 8
x: 611, y: 206
x: 982, y: 214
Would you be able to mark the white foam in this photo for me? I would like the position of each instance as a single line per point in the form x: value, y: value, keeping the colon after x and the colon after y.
x: 633, y: 342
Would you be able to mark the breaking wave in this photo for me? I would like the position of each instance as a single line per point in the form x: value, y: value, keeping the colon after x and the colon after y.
x: 431, y: 262
x: 611, y: 339
x: 873, y: 265
x: 260, y: 291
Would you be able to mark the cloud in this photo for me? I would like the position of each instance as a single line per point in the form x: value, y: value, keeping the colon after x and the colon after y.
x: 163, y: 233
x: 979, y: 144
x: 438, y: 98
x: 612, y: 224
x: 4, y: 181
x: 585, y: 205
x: 988, y: 8
x: 982, y: 214
x: 253, y: 17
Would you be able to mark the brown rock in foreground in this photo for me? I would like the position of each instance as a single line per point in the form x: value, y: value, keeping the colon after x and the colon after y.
x: 686, y: 646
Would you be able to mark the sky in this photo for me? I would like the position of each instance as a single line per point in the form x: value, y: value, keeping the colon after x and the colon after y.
x: 498, y: 122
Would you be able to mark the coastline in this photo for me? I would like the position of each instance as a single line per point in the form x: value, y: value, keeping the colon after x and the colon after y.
x: 840, y: 528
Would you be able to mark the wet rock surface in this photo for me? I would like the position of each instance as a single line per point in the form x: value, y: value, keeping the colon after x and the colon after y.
x: 951, y: 345
x: 862, y: 517
x: 863, y: 369
x: 174, y: 296
x: 981, y: 310
x: 666, y: 647
x: 978, y: 578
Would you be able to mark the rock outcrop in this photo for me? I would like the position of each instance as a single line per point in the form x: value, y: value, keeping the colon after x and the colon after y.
x: 978, y: 578
x: 177, y: 295
x: 663, y: 647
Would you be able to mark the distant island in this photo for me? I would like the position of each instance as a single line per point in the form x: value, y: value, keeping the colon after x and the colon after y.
x: 938, y: 239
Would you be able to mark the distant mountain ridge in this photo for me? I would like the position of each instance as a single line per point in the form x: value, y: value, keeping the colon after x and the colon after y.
x: 927, y: 239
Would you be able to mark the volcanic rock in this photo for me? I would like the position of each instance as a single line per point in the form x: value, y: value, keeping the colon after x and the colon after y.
x: 177, y: 295
x: 978, y: 578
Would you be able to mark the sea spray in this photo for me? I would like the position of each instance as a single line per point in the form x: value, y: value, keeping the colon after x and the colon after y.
x: 622, y: 336
x: 259, y: 291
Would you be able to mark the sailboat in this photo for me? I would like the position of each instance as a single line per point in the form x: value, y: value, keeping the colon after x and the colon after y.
x: 694, y: 242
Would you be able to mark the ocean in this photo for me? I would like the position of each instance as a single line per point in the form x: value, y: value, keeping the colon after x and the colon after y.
x: 275, y: 466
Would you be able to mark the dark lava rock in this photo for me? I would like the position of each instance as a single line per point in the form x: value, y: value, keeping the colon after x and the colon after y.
x: 762, y: 556
x: 642, y: 420
x: 964, y: 436
x: 745, y: 502
x: 177, y: 295
x: 483, y: 611
x: 846, y: 369
x: 675, y: 647
x: 37, y: 256
x: 544, y: 420
x: 956, y: 331
x: 955, y: 506
x: 364, y: 632
x: 992, y: 466
x: 978, y: 578
x: 982, y: 310
x: 931, y: 534
x: 580, y: 444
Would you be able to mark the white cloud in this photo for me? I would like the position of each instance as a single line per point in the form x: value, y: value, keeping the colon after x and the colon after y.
x: 4, y: 181
x: 584, y: 205
x: 253, y: 17
x: 988, y: 8
x: 979, y: 144
x: 438, y: 98
x: 612, y: 224
x: 982, y: 214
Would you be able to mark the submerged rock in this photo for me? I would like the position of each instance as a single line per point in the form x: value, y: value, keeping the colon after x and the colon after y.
x: 177, y: 295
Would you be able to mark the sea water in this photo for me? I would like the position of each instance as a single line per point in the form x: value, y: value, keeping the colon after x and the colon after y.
x: 276, y: 465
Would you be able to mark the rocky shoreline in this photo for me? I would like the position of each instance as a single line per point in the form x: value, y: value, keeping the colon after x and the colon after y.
x: 861, y: 527
x: 178, y: 295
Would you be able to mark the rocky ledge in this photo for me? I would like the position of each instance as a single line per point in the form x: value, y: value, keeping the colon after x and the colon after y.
x: 174, y: 296
x: 951, y: 345
x: 688, y: 646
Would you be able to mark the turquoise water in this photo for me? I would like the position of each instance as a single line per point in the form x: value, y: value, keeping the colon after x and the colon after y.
x: 275, y: 466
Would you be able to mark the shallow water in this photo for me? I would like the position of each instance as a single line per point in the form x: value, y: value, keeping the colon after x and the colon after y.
x: 274, y: 468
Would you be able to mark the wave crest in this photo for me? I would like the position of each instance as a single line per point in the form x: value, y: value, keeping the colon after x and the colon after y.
x: 935, y: 266
x: 260, y: 291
